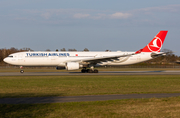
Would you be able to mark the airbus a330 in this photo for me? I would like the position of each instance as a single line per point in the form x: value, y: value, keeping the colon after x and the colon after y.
x: 88, y: 60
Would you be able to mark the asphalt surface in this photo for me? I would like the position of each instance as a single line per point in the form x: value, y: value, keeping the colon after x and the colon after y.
x: 100, y: 73
x: 39, y: 100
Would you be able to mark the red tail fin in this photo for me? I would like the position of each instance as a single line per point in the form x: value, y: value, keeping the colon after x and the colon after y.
x: 156, y: 44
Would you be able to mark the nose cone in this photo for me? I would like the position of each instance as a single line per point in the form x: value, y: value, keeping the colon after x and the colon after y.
x: 5, y: 60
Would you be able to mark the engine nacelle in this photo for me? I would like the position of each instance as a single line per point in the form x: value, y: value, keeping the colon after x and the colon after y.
x: 72, y: 66
x: 60, y: 68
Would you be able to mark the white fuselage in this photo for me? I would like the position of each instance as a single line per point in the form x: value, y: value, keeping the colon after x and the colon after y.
x: 76, y: 60
x: 61, y: 58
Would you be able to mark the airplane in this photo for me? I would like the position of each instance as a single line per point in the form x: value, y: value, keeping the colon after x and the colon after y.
x: 84, y: 60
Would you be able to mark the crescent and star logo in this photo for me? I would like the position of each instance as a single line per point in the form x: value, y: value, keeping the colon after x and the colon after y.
x: 155, y: 45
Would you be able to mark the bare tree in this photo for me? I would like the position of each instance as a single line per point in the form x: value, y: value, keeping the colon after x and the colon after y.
x: 25, y: 49
x: 107, y: 50
x: 72, y: 50
x: 63, y: 49
x: 48, y: 50
x: 86, y: 50
x: 170, y: 57
x: 168, y: 52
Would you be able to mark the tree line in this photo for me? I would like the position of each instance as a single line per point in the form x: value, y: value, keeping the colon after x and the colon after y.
x: 169, y: 58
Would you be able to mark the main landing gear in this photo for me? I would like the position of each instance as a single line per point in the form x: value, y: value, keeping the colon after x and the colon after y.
x: 84, y: 70
x: 21, y: 71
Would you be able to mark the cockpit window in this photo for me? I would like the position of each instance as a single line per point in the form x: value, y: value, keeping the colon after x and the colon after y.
x: 10, y: 56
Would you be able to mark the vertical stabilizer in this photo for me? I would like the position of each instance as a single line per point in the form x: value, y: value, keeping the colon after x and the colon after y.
x: 156, y: 44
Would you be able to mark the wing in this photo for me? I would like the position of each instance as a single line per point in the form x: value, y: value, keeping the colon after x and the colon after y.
x: 96, y: 60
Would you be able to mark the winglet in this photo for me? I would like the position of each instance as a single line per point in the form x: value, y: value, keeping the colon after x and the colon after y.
x: 156, y: 44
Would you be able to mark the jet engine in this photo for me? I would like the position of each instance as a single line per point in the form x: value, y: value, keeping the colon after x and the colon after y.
x: 72, y: 65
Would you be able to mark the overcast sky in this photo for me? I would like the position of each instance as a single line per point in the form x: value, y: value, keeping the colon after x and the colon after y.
x: 125, y: 25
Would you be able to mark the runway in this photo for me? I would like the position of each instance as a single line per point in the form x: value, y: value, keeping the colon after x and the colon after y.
x: 100, y: 73
x: 40, y: 100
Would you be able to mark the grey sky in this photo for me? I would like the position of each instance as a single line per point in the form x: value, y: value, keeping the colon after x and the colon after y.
x: 94, y: 24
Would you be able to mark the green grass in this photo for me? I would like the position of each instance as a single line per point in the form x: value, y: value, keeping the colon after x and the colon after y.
x: 37, y: 86
x: 131, y: 108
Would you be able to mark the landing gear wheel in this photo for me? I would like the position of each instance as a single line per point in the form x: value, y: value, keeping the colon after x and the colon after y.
x: 83, y: 70
x: 21, y: 71
x: 95, y: 71
x: 87, y: 71
x: 90, y: 71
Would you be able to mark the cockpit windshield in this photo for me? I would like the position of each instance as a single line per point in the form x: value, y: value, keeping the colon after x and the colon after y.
x: 10, y: 56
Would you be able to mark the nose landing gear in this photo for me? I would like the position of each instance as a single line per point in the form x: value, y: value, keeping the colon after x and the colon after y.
x: 21, y: 71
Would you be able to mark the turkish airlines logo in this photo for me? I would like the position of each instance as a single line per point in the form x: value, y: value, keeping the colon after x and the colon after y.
x: 155, y: 45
